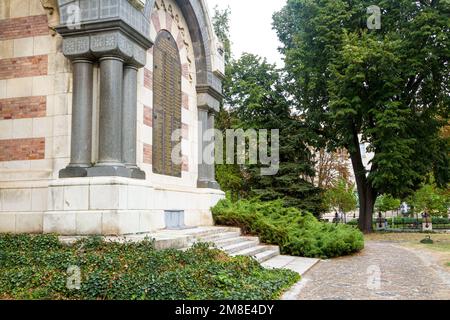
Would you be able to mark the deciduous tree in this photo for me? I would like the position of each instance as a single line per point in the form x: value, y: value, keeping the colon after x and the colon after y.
x: 388, y: 88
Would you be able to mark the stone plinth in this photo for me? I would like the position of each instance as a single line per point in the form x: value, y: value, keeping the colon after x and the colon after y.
x: 120, y: 206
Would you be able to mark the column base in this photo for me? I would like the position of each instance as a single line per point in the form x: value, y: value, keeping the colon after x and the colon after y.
x: 73, y: 172
x: 208, y: 185
x: 109, y: 171
x: 137, y: 173
x: 116, y: 171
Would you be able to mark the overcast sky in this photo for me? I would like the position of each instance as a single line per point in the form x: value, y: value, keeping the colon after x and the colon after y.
x: 251, y: 26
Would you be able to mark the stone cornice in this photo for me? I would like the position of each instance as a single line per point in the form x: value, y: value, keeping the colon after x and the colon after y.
x: 116, y: 28
x: 103, y: 26
x: 208, y: 98
x: 82, y: 13
x: 207, y: 89
x: 107, y: 43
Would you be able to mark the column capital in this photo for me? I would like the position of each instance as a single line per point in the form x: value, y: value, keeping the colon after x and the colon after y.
x: 82, y: 60
x: 110, y: 57
x: 131, y: 66
x: 107, y: 43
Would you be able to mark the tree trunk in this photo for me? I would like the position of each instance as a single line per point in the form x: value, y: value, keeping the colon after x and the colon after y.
x: 366, y: 193
x: 366, y: 209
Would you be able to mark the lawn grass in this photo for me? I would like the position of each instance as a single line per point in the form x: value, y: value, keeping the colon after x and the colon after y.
x: 440, y: 248
x: 407, y: 237
x: 37, y: 267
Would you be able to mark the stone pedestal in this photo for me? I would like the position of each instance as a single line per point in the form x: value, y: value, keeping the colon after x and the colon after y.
x: 120, y: 206
x: 381, y: 226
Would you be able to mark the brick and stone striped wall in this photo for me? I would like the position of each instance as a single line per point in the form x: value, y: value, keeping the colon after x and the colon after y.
x: 35, y: 91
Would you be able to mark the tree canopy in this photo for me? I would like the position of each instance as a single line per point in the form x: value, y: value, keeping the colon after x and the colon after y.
x: 255, y: 98
x: 387, y: 203
x: 431, y: 200
x: 341, y: 197
x: 388, y: 88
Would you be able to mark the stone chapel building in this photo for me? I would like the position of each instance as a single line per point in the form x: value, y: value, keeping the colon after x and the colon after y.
x: 91, y: 95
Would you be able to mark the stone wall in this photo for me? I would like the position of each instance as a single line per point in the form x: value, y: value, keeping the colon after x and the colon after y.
x: 35, y: 107
x: 173, y: 21
x: 35, y: 86
x: 35, y: 135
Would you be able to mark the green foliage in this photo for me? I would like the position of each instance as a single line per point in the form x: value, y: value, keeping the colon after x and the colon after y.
x: 255, y: 97
x: 341, y: 197
x: 430, y: 199
x: 388, y: 88
x: 221, y: 25
x: 297, y: 233
x: 387, y: 203
x: 229, y: 176
x: 35, y: 267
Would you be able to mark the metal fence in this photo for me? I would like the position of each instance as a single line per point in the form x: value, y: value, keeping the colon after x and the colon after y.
x: 407, y: 224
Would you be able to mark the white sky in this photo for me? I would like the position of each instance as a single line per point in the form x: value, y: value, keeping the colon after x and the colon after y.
x: 251, y: 26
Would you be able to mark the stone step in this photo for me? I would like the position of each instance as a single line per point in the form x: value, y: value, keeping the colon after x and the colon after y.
x: 227, y: 242
x: 219, y: 236
x: 230, y: 240
x: 267, y: 254
x: 251, y: 252
x: 209, y: 231
x: 242, y: 245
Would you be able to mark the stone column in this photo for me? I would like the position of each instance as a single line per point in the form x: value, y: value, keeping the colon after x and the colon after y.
x: 81, y: 136
x: 206, y: 167
x: 203, y: 168
x: 212, y: 183
x: 129, y: 121
x: 110, y: 124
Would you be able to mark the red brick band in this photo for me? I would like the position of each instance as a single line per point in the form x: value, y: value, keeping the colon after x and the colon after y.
x: 148, y: 116
x: 148, y: 153
x: 22, y: 108
x: 23, y: 67
x: 25, y: 27
x: 148, y: 79
x: 185, y: 101
x: 185, y: 68
x: 22, y: 149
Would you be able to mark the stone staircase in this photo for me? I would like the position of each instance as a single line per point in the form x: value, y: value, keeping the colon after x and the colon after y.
x: 234, y: 243
x: 227, y: 239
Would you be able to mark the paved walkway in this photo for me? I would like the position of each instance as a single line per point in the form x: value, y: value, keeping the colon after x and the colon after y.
x: 296, y: 264
x: 382, y: 271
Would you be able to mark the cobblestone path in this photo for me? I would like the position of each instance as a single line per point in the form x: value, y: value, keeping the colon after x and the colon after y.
x: 382, y: 271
